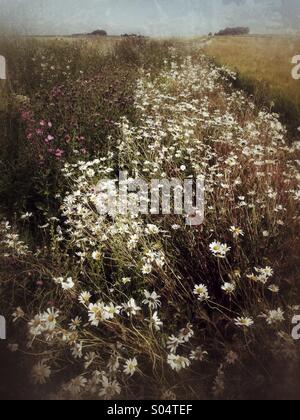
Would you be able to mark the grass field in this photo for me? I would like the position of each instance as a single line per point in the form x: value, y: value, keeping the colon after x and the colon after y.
x: 103, y: 44
x: 147, y: 306
x: 264, y: 67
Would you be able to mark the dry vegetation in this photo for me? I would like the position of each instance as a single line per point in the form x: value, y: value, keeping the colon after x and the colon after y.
x: 103, y: 44
x: 145, y: 307
x: 264, y: 68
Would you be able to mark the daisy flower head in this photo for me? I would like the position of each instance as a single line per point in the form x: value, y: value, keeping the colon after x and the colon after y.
x: 201, y: 291
x: 155, y: 321
x: 186, y: 333
x: 130, y: 367
x: 75, y: 323
x: 96, y: 255
x: 236, y: 232
x: 198, y: 355
x: 50, y: 318
x: 231, y: 358
x: 76, y: 385
x: 178, y: 363
x: 112, y: 310
x: 264, y: 274
x: 275, y: 316
x: 173, y: 343
x: 151, y: 299
x: 126, y: 280
x: 229, y: 288
x: 68, y: 284
x: 36, y: 326
x: 274, y: 288
x: 151, y: 230
x: 110, y: 388
x: 97, y: 313
x: 41, y: 372
x: 146, y: 269
x: 244, y: 322
x: 219, y: 250
x: 18, y: 314
x: 131, y: 308
x: 84, y: 298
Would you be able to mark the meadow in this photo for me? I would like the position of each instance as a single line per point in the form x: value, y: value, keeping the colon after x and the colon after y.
x: 144, y: 306
x: 264, y: 65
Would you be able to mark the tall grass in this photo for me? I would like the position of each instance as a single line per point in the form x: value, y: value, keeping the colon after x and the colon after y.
x: 146, y: 307
x: 263, y: 65
x: 70, y: 94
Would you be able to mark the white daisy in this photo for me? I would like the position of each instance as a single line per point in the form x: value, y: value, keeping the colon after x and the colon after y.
x: 109, y: 388
x: 77, y: 385
x: 96, y: 255
x: 219, y: 250
x: 202, y: 292
x: 68, y: 284
x: 178, y: 363
x: 130, y: 367
x: 18, y: 314
x: 75, y: 323
x: 275, y: 316
x: 244, y: 322
x: 198, y: 354
x: 84, y: 298
x: 112, y: 310
x: 131, y: 307
x: 152, y: 300
x: 97, y: 313
x: 173, y: 343
x: 155, y: 322
x: 41, y: 372
x: 50, y: 318
x: 232, y: 358
x: 229, y: 288
x: 36, y: 326
x: 273, y: 288
x: 237, y: 232
x: 126, y: 280
x: 147, y: 269
x: 186, y: 333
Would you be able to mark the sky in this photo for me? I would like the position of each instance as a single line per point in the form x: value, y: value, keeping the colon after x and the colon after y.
x: 148, y: 17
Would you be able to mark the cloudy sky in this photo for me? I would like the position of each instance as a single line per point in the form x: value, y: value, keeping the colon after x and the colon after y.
x: 150, y: 17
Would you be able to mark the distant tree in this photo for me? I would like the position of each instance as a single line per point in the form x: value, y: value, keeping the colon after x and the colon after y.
x: 132, y: 36
x: 99, y: 32
x: 234, y: 31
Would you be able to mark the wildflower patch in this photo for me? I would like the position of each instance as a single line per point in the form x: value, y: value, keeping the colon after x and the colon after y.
x: 129, y: 301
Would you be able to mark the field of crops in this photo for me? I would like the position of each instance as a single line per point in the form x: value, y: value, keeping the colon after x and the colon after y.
x: 264, y: 65
x: 141, y: 306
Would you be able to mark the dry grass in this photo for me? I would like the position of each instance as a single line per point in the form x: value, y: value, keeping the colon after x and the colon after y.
x: 266, y: 60
x: 220, y: 298
x: 103, y: 44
